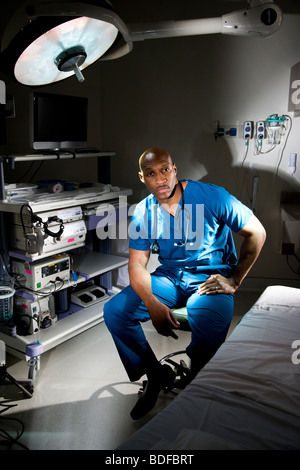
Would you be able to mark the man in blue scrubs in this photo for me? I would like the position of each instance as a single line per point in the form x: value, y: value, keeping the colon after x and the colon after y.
x: 189, y: 224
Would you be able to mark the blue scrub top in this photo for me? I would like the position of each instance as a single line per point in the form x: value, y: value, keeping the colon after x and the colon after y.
x: 198, y: 238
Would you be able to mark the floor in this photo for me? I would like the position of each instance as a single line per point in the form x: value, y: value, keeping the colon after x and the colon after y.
x: 83, y: 398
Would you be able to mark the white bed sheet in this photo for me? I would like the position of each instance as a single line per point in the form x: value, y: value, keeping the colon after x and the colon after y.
x: 248, y: 396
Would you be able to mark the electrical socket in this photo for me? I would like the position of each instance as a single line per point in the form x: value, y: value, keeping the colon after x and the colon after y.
x: 224, y: 130
x: 248, y: 130
x: 260, y: 130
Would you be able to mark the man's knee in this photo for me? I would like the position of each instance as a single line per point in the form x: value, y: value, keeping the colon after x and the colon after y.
x: 110, y: 311
x: 116, y: 309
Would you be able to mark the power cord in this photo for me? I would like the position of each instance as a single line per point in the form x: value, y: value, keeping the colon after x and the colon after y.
x: 6, y: 439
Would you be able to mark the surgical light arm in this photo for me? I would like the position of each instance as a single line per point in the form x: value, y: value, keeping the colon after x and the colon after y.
x: 262, y: 20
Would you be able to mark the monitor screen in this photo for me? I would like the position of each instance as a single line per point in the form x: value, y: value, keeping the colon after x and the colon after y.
x: 59, y: 121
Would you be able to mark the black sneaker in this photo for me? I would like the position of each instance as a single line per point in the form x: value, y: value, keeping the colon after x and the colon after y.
x: 162, y: 377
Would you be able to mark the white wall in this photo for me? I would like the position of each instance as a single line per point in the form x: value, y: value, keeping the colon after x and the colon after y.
x: 169, y: 92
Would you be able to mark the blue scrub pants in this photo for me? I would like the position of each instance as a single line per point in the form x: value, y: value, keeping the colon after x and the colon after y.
x: 209, y: 318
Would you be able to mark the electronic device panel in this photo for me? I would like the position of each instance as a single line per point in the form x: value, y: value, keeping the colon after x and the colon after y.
x: 38, y: 275
x: 33, y: 313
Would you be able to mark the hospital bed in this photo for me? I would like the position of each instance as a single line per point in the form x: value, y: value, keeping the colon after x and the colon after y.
x: 248, y: 396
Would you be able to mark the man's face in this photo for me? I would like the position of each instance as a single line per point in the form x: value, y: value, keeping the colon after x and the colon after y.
x: 159, y: 175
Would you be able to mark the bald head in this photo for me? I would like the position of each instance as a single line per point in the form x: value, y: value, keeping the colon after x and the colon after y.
x: 151, y: 155
x: 158, y: 172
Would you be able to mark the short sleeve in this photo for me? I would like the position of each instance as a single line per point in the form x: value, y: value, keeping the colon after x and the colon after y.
x: 138, y: 229
x: 232, y: 211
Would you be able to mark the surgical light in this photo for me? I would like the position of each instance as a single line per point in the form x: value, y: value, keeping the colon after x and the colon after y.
x: 56, y: 40
x: 61, y: 52
x: 60, y: 40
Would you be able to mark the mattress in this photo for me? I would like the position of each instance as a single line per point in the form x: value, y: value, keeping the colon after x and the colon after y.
x: 248, y: 396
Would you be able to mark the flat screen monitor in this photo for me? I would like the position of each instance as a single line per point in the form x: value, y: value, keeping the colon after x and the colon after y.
x: 59, y: 121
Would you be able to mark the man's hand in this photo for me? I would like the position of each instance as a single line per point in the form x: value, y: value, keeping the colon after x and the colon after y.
x: 163, y: 319
x: 254, y: 236
x: 217, y: 284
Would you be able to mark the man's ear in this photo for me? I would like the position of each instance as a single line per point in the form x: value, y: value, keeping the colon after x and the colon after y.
x: 141, y: 177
